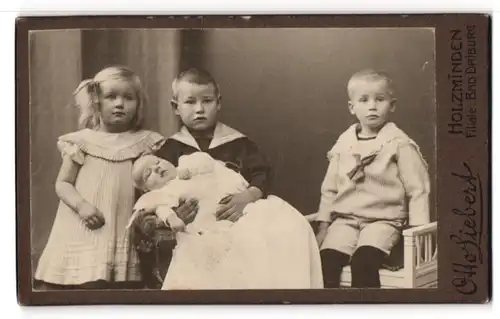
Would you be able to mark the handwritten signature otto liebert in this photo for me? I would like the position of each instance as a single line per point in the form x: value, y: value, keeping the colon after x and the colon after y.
x: 469, y: 235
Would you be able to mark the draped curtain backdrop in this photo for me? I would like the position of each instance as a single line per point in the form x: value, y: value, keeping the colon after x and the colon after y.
x: 285, y: 88
x: 59, y: 60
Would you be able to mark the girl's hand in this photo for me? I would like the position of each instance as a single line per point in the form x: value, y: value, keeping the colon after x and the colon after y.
x: 91, y: 216
x: 232, y: 206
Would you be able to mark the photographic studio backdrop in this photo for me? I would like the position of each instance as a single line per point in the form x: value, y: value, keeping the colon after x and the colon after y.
x: 284, y: 88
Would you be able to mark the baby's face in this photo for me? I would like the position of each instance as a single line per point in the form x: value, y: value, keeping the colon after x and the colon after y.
x: 371, y: 102
x: 157, y: 173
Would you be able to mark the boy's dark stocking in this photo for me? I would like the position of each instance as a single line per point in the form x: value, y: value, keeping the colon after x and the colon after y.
x: 332, y: 262
x: 365, y: 266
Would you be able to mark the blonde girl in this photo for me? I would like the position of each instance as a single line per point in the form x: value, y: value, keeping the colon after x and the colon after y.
x: 88, y: 246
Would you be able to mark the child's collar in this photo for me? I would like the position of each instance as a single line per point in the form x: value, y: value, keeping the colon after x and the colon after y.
x: 386, y: 134
x: 222, y: 134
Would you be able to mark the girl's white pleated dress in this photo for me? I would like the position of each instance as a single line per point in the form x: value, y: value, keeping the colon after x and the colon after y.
x: 75, y: 254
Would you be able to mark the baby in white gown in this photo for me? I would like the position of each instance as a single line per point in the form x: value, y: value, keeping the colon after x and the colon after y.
x: 197, y: 176
x: 271, y: 247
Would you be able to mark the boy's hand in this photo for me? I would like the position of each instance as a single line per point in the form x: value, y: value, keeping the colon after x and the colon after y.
x: 322, y: 232
x: 187, y: 210
x: 232, y: 206
x: 91, y: 216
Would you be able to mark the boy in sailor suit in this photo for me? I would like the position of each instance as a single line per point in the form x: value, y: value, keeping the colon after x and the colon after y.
x: 373, y: 168
x: 197, y: 101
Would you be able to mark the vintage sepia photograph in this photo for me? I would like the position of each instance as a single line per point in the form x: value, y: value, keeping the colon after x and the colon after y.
x: 233, y: 158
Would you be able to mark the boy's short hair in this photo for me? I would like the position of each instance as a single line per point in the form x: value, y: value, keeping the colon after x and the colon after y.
x: 195, y: 76
x: 369, y: 75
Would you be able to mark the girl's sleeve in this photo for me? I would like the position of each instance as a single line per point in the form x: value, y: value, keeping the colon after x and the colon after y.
x: 415, y: 178
x: 71, y: 149
x: 328, y: 190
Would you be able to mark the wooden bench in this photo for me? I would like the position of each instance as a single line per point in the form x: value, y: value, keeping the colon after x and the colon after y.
x: 420, y: 260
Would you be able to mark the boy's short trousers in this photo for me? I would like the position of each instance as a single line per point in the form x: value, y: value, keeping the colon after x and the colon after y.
x: 347, y: 233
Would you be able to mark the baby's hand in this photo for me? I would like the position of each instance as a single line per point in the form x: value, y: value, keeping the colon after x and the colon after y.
x: 175, y: 223
x: 168, y: 216
x: 91, y: 216
x: 184, y: 174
